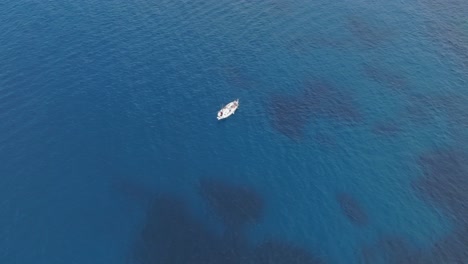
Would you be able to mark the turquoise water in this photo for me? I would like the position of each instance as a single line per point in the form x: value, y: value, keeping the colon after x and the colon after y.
x: 348, y: 146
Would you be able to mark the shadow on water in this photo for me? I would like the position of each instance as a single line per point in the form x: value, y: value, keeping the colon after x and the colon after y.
x: 319, y: 99
x: 352, y: 209
x: 172, y: 235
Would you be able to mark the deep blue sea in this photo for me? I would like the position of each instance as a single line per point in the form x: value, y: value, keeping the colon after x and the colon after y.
x: 349, y: 145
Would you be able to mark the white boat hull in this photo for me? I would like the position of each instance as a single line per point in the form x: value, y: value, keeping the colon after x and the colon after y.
x: 228, y: 110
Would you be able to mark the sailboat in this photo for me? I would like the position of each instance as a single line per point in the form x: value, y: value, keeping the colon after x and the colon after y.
x: 228, y: 110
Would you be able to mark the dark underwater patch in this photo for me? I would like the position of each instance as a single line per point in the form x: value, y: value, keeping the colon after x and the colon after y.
x: 392, y: 250
x: 306, y: 44
x: 385, y: 77
x: 273, y: 252
x: 386, y: 128
x: 444, y: 184
x: 324, y: 139
x: 172, y: 235
x: 448, y: 27
x: 327, y: 101
x: 457, y: 41
x: 302, y: 45
x: 453, y: 248
x: 319, y: 99
x: 352, y: 209
x: 445, y: 181
x: 132, y: 190
x: 290, y: 116
x: 236, y: 205
x: 367, y: 32
x: 455, y: 108
x: 280, y: 7
x: 421, y: 109
x: 455, y: 7
x: 238, y: 77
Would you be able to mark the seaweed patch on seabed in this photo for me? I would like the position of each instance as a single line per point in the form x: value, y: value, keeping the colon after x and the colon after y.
x: 280, y: 7
x: 324, y: 139
x: 306, y: 44
x: 327, y: 101
x: 456, y: 110
x: 455, y: 107
x: 457, y: 43
x: 352, y: 209
x: 421, y: 109
x: 393, y: 250
x: 272, y: 252
x: 386, y: 128
x: 385, y: 77
x: 319, y: 99
x: 136, y: 192
x: 366, y: 32
x: 290, y: 116
x: 238, y: 77
x: 450, y: 34
x: 236, y: 205
x: 171, y: 235
x: 445, y: 181
x: 445, y: 184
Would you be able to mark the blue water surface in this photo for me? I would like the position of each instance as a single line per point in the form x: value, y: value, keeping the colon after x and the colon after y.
x: 349, y: 145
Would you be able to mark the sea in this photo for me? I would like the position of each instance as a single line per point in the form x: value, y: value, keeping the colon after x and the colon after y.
x: 349, y: 144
